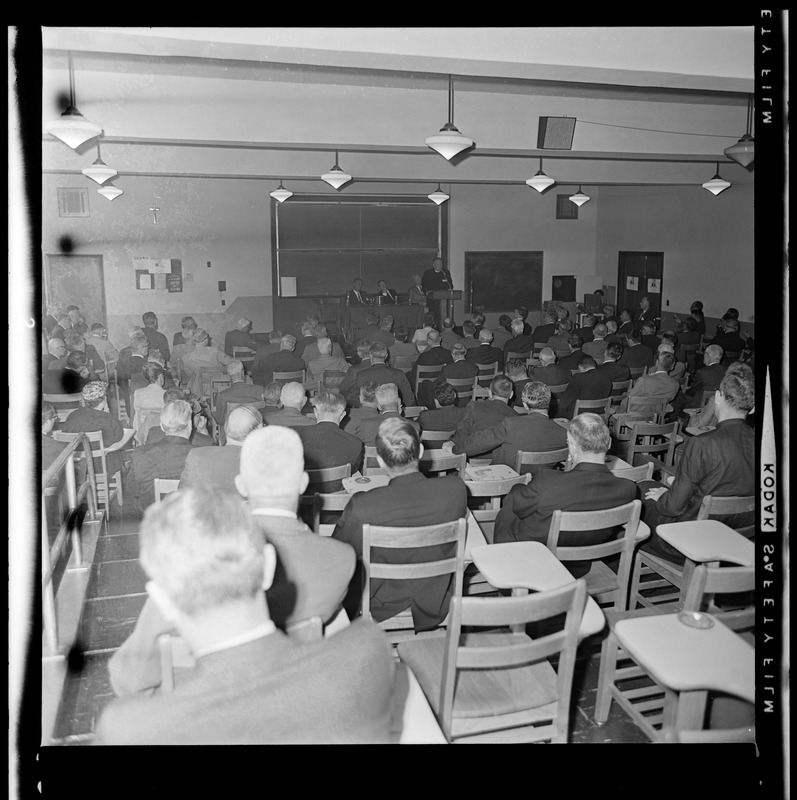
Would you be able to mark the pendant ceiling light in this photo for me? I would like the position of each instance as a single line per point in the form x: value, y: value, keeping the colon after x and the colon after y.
x: 111, y: 192
x: 579, y: 198
x: 99, y: 171
x: 716, y: 184
x: 438, y: 195
x: 449, y: 141
x: 743, y: 152
x: 336, y: 177
x: 540, y: 181
x: 281, y: 194
x: 72, y: 127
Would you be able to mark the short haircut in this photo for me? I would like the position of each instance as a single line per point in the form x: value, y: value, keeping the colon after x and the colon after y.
x: 576, y: 340
x: 72, y: 308
x: 73, y: 340
x: 564, y: 326
x: 271, y: 393
x: 402, y: 334
x: 76, y: 360
x: 363, y: 348
x: 428, y: 320
x: 738, y: 389
x: 325, y: 345
x: 517, y: 325
x: 600, y: 329
x: 468, y: 326
x: 272, y: 462
x: 387, y: 323
x: 634, y: 335
x: 292, y: 394
x: 611, y: 325
x: 515, y: 369
x: 320, y: 331
x: 387, y: 396
x: 156, y: 357
x: 444, y: 393
x: 307, y: 328
x: 139, y: 343
x: 696, y: 306
x: 175, y: 416
x: 174, y: 393
x: 614, y: 350
x: 235, y: 367
x: 731, y: 323
x: 714, y: 352
x: 55, y: 344
x: 433, y: 338
x: 587, y: 361
x: 378, y: 350
x: 478, y: 318
x: 288, y: 342
x: 505, y: 321
x: 485, y: 335
x: 202, y: 547
x: 665, y: 346
x: 668, y: 336
x: 562, y: 312
x: 501, y: 386
x: 458, y: 349
x: 329, y: 403
x: 48, y: 412
x: 448, y: 323
x: 200, y: 335
x: 275, y: 336
x: 648, y: 327
x: 397, y: 442
x: 732, y: 312
x: 188, y: 323
x: 97, y: 326
x: 152, y: 372
x: 629, y: 312
x: 690, y: 324
x: 149, y: 316
x: 357, y: 280
x: 666, y: 360
x: 590, y: 433
x: 547, y: 354
x: 371, y: 318
x: 522, y: 312
x: 368, y: 392
x: 241, y: 421
x: 537, y: 394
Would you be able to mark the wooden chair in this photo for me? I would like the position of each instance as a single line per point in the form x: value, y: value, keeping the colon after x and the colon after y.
x: 522, y: 357
x: 433, y: 440
x: 164, y: 486
x: 370, y: 464
x: 426, y: 372
x: 485, y: 517
x: 327, y: 475
x: 496, y: 686
x: 627, y: 683
x: 413, y: 412
x: 299, y: 376
x: 108, y: 486
x: 404, y: 363
x: 400, y: 627
x: 690, y: 356
x: 245, y: 355
x: 649, y: 439
x: 433, y: 464
x: 601, y: 407
x: 64, y: 404
x: 603, y: 584
x: 619, y: 390
x: 318, y: 502
x: 638, y: 474
x: 464, y: 387
x: 526, y: 458
x: 652, y: 574
x: 488, y: 494
x: 208, y: 376
x: 637, y: 373
x: 486, y: 373
x: 113, y: 388
x: 330, y: 380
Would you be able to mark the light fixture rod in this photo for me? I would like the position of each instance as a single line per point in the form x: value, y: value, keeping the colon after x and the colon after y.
x: 450, y: 99
x: 71, y: 82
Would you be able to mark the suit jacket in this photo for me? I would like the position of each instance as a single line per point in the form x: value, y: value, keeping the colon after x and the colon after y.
x: 301, y: 343
x: 202, y: 356
x: 482, y: 414
x: 157, y: 341
x: 273, y: 690
x: 651, y: 341
x: 416, y: 296
x: 729, y: 341
x: 84, y: 420
x: 433, y: 356
x: 626, y: 328
x: 519, y: 344
x: 289, y: 418
x: 389, y: 297
x: 156, y: 434
x: 637, y: 356
x: 589, y: 385
x: 552, y: 375
x: 128, y: 364
x: 432, y: 281
x: 311, y: 352
x: 238, y: 392
x: 373, y: 333
x: 543, y: 332
x: 353, y: 299
x: 586, y: 333
x: 460, y: 369
x: 501, y: 336
x: 379, y: 374
x: 238, y: 338
x: 211, y: 467
x: 321, y: 363
x: 486, y: 354
x: 517, y: 391
x: 596, y: 348
x: 164, y: 459
x: 264, y: 367
x: 707, y: 379
x: 652, y: 388
x: 357, y: 419
x: 533, y: 431
x: 448, y: 338
x: 616, y: 372
x: 407, y: 501
x: 571, y: 362
x: 645, y: 316
x: 440, y: 419
x: 368, y: 428
x: 326, y: 445
x: 526, y: 511
x: 559, y: 341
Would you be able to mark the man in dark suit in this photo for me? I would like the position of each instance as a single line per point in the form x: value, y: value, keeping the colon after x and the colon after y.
x: 157, y: 341
x: 635, y: 353
x: 356, y: 296
x: 166, y: 458
x: 544, y: 332
x: 533, y: 431
x: 459, y: 366
x: 389, y: 405
x: 549, y: 372
x: 364, y: 414
x: 729, y: 339
x: 570, y: 362
x: 410, y: 499
x: 586, y: 384
x: 520, y: 341
x: 526, y: 511
x: 379, y: 373
x: 325, y: 444
x: 517, y: 372
x: 434, y: 355
x: 627, y: 323
x: 597, y: 347
x: 131, y: 360
x: 585, y: 332
x: 616, y: 372
x: 306, y: 339
x: 446, y: 414
x: 521, y: 312
x: 252, y: 684
x: 216, y: 467
x: 707, y: 379
x: 649, y: 338
x: 436, y: 279
x: 645, y: 312
x: 241, y: 336
x: 386, y: 296
x: 286, y: 360
x: 292, y: 399
x: 485, y: 353
x: 482, y: 414
x: 239, y: 391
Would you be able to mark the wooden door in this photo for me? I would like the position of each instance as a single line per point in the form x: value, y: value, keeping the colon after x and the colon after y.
x: 77, y: 280
x: 640, y: 275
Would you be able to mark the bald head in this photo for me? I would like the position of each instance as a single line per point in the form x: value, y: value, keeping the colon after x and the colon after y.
x: 433, y: 339
x: 271, y: 467
x: 713, y: 354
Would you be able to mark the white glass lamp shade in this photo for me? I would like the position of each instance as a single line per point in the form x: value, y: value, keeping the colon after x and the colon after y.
x: 111, y: 192
x: 99, y: 171
x: 743, y: 152
x: 579, y: 198
x: 716, y: 185
x: 540, y: 181
x: 449, y: 141
x: 336, y: 177
x: 438, y: 196
x: 72, y: 128
x: 281, y: 194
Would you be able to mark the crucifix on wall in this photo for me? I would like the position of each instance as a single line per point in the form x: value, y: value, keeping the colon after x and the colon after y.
x: 154, y: 209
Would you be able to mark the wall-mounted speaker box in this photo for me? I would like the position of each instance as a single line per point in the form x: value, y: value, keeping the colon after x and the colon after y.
x: 556, y: 133
x: 563, y: 288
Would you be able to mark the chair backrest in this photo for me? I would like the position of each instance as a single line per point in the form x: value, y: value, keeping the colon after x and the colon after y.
x: 464, y: 387
x: 529, y: 458
x: 485, y: 517
x: 524, y: 357
x: 657, y: 409
x: 426, y: 372
x: 413, y: 412
x: 495, y: 490
x: 330, y: 380
x: 651, y: 438
x: 326, y: 474
x: 435, y: 437
x: 394, y: 538
x: 713, y: 506
x: 432, y: 463
x: 164, y: 486
x: 245, y: 355
x: 600, y: 407
x: 218, y: 384
x: 64, y: 404
x: 708, y: 581
x: 298, y: 375
x: 486, y: 373
x: 559, y: 388
x: 404, y: 363
x: 370, y: 464
x: 626, y: 515
x: 97, y: 449
x: 490, y: 656
x: 334, y: 501
x: 619, y: 390
x: 636, y: 474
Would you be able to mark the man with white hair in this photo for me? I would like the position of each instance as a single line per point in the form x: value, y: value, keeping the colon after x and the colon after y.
x: 208, y: 562
x: 526, y: 512
x: 240, y: 336
x: 186, y: 333
x: 709, y: 376
x: 447, y: 335
x: 292, y: 398
x: 201, y: 357
x: 597, y: 346
x: 388, y: 405
x: 520, y: 342
x: 378, y: 372
x: 216, y: 467
x: 549, y: 372
x: 544, y: 332
x: 485, y: 353
x: 55, y: 357
x: 323, y: 362
x: 285, y: 360
x: 240, y: 390
x: 655, y: 387
x: 166, y: 457
x: 312, y: 350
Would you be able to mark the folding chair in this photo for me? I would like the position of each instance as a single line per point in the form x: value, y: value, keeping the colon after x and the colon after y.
x: 426, y: 372
x: 527, y: 458
x: 164, y: 486
x: 440, y: 465
x: 299, y: 376
x: 619, y: 390
x: 433, y: 440
x: 318, y: 502
x: 486, y: 373
x: 601, y: 407
x: 64, y: 404
x: 488, y: 494
x: 325, y: 476
x: 647, y: 439
x: 464, y: 387
x: 245, y: 355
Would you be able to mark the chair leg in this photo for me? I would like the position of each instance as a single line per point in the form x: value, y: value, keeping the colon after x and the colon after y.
x: 636, y: 577
x: 119, y: 496
x: 606, y: 672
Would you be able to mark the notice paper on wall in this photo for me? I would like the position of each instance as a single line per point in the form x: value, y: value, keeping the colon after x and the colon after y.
x: 288, y: 287
x: 144, y: 280
x: 654, y: 285
x: 632, y: 283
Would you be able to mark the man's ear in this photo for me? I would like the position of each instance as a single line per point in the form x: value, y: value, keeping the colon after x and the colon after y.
x: 240, y: 487
x: 269, y: 565
x: 420, y: 450
x: 304, y: 481
x: 164, y: 603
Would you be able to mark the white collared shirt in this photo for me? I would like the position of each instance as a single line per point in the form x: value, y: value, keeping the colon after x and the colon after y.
x: 260, y: 631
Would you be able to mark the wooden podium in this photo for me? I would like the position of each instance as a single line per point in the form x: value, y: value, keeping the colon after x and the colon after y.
x: 445, y: 298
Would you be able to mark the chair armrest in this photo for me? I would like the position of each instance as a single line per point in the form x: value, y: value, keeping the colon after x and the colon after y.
x: 658, y: 464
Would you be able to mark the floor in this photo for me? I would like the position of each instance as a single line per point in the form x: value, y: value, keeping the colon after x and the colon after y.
x: 116, y: 595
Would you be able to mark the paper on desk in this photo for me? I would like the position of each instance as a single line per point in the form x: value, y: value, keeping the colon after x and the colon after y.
x: 492, y: 472
x: 363, y: 483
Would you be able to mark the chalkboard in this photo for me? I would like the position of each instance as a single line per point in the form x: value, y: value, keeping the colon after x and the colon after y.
x: 503, y: 280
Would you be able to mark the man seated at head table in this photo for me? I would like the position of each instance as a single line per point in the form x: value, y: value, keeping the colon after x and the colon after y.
x: 208, y: 562
x: 526, y: 511
x: 533, y: 431
x: 409, y: 500
x: 216, y: 467
x: 720, y: 463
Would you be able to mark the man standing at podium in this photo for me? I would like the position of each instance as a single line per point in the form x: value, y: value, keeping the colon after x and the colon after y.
x: 436, y: 279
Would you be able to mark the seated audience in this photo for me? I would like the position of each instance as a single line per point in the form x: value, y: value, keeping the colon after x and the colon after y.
x: 409, y: 500
x: 198, y: 438
x: 626, y: 322
x: 678, y: 371
x: 521, y: 312
x: 208, y: 566
x: 649, y: 338
x: 241, y: 336
x: 610, y: 367
x: 307, y: 338
x: 284, y: 360
x: 586, y: 384
x: 635, y: 354
x: 271, y: 398
x: 688, y: 334
x: 292, y: 400
x: 526, y: 511
x: 574, y: 344
x: 611, y: 333
x: 324, y: 361
x: 478, y: 320
x: 646, y: 313
x: 311, y: 350
x: 482, y: 414
x: 378, y: 372
x: 485, y: 353
x: 706, y: 379
x: 517, y: 372
x: 240, y: 390
x: 728, y: 337
x: 147, y: 398
x: 655, y: 387
x: 64, y: 325
x: 202, y: 357
x: 447, y: 335
x: 388, y: 404
x: 549, y: 372
x: 585, y: 332
x: 422, y: 332
x: 559, y: 341
x: 72, y: 378
x: 80, y: 327
x: 55, y: 357
x: 544, y: 332
x: 402, y: 348
x: 597, y: 347
x: 157, y: 341
x: 469, y: 336
x: 520, y: 342
x: 707, y: 416
x: 182, y: 343
x: 446, y: 414
x: 75, y: 343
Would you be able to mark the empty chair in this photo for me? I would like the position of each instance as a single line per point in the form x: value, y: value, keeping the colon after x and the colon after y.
x: 526, y: 458
x: 440, y: 465
x: 500, y: 686
x: 486, y: 373
x: 410, y: 565
x: 600, y: 407
x: 164, y: 486
x: 426, y: 372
